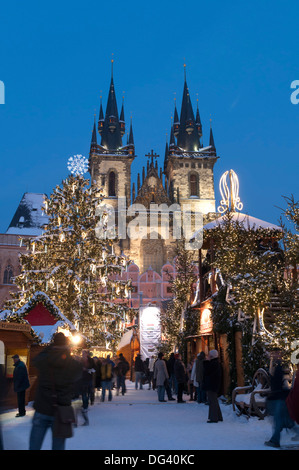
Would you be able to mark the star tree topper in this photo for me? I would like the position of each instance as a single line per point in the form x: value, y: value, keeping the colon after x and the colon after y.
x: 77, y: 165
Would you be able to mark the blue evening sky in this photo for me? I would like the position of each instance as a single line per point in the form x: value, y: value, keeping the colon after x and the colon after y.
x: 241, y: 58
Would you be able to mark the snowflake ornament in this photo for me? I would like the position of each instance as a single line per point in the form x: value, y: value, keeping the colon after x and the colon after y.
x: 77, y: 165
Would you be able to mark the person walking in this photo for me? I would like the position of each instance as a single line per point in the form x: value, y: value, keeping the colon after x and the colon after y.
x: 151, y: 364
x: 20, y: 383
x: 191, y: 386
x: 57, y: 371
x: 139, y: 371
x: 160, y: 375
x: 88, y: 366
x: 180, y: 376
x: 106, y: 377
x: 212, y: 379
x: 121, y: 369
x: 172, y: 380
x: 201, y: 394
x: 276, y: 400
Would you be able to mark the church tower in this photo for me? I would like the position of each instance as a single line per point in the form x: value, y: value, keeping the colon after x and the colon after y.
x: 188, y: 166
x: 110, y: 161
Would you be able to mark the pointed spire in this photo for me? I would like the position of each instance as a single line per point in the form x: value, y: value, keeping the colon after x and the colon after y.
x: 166, y: 156
x: 212, y: 143
x: 176, y: 121
x: 122, y: 119
x: 131, y: 137
x: 172, y: 140
x: 101, y: 118
x: 94, y: 135
x: 111, y: 134
x: 198, y: 121
x: 187, y: 137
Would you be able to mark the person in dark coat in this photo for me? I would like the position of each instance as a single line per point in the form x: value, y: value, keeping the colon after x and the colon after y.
x: 212, y: 384
x: 201, y: 394
x: 87, y: 383
x: 21, y: 383
x: 57, y: 374
x: 139, y: 371
x: 180, y: 375
x: 121, y: 369
x: 292, y: 400
x: 276, y: 400
x: 172, y: 380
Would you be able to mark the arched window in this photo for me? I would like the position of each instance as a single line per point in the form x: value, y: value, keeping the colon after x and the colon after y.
x: 8, y: 275
x: 111, y: 184
x: 193, y: 185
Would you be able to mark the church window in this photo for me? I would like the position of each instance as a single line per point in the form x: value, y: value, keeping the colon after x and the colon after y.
x: 193, y: 185
x: 111, y: 184
x: 8, y: 275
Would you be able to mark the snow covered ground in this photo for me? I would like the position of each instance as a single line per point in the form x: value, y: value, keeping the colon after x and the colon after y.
x: 137, y: 421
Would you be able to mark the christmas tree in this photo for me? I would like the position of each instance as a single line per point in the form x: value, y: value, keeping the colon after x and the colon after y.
x: 251, y: 264
x: 73, y: 262
x: 180, y: 320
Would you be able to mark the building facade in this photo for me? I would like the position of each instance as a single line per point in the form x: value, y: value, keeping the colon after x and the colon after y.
x: 185, y: 178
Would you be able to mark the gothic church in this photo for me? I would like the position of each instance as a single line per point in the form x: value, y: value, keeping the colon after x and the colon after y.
x: 187, y: 176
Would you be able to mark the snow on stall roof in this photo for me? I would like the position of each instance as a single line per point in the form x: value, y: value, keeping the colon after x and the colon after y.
x: 248, y: 221
x: 125, y: 340
x: 45, y: 332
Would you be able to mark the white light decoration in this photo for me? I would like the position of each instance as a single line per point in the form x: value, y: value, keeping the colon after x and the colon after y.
x: 77, y: 165
x: 229, y: 196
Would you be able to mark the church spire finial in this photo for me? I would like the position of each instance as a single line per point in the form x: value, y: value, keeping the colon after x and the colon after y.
x: 112, y: 61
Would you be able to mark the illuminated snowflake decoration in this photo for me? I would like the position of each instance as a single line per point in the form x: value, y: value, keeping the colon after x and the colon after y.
x: 77, y: 165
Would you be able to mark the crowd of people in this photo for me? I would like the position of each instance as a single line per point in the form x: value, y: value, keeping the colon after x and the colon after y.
x: 65, y: 378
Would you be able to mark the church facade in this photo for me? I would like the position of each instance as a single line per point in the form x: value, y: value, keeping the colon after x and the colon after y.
x: 185, y: 180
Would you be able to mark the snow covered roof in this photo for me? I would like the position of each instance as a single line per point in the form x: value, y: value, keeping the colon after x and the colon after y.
x: 44, y: 332
x: 29, y: 217
x: 126, y: 339
x: 248, y: 221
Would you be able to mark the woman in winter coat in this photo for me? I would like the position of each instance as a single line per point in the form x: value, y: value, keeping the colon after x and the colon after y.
x: 160, y: 375
x: 212, y: 384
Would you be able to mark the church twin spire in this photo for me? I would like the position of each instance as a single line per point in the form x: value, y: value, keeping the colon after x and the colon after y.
x: 186, y: 130
x: 111, y: 126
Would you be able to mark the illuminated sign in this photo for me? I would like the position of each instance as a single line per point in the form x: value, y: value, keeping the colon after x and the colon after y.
x: 150, y: 331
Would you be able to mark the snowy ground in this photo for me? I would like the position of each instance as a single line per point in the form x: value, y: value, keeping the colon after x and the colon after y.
x: 137, y: 421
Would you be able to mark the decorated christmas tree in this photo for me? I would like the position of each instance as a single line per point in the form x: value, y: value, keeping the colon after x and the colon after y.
x: 251, y: 264
x: 73, y: 262
x: 180, y: 320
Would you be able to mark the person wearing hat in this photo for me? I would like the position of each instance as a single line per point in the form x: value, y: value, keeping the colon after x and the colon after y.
x: 212, y: 381
x: 20, y: 383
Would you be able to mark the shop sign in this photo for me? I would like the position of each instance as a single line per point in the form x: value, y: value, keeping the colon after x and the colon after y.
x: 206, y: 323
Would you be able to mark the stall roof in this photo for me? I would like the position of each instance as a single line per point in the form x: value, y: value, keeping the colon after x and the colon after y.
x: 248, y: 221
